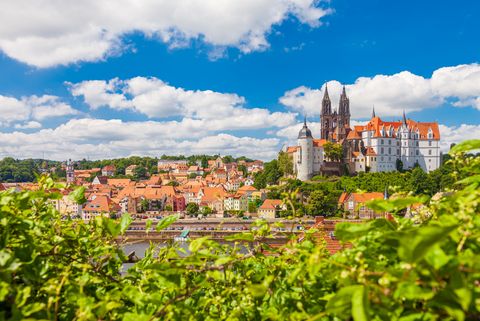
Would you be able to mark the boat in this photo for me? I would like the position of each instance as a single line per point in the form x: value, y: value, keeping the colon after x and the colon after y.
x: 183, y: 237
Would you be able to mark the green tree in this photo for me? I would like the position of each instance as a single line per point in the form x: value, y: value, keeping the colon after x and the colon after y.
x: 399, y: 165
x: 204, y: 162
x: 243, y: 169
x: 207, y: 210
x: 321, y: 203
x: 269, y: 176
x: 140, y: 173
x: 285, y: 163
x: 192, y: 208
x: 333, y: 151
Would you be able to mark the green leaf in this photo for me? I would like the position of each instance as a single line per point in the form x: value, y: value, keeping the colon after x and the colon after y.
x: 395, y: 205
x: 125, y: 222
x: 197, y: 244
x: 341, y: 302
x: 166, y: 222
x: 436, y: 257
x: 78, y: 195
x: 465, y: 146
x: 415, y: 243
x: 360, y: 304
x: 247, y: 236
x: 148, y: 225
x: 349, y: 231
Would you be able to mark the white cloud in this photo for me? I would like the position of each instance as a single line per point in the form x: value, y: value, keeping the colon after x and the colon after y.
x: 29, y: 125
x: 391, y: 94
x: 38, y: 108
x: 457, y: 134
x: 115, y: 138
x: 50, y: 33
x: 157, y: 99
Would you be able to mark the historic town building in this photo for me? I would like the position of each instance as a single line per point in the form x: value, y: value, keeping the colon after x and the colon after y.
x: 377, y: 146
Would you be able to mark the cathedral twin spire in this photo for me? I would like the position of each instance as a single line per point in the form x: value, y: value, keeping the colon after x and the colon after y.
x: 344, y: 104
x: 334, y: 125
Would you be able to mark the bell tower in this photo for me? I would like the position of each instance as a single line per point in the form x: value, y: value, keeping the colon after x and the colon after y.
x: 326, y: 117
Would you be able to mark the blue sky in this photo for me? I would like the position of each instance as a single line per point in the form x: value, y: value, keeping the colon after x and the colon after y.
x: 202, y: 80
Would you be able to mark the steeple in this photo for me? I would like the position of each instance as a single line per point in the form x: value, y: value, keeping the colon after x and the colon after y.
x: 373, y: 112
x: 305, y: 131
x: 404, y: 119
x: 344, y: 105
x: 326, y: 103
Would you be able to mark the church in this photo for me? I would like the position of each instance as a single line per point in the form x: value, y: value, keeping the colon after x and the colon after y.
x: 377, y: 146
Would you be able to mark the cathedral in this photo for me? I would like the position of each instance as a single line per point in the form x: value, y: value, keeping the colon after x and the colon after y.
x: 377, y: 146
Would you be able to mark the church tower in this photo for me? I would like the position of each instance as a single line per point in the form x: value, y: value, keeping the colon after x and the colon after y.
x: 70, y: 172
x: 305, y: 159
x: 327, y: 118
x: 343, y: 118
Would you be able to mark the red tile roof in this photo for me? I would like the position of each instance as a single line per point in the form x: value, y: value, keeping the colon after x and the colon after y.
x: 270, y: 204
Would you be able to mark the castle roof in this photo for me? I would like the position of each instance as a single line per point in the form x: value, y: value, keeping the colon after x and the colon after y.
x: 391, y: 128
x: 305, y: 132
x: 319, y: 142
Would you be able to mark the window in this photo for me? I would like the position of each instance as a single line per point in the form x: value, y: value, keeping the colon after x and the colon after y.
x: 381, y: 150
x: 417, y: 143
x: 350, y: 205
x: 389, y: 142
x: 429, y: 152
x: 417, y: 152
x: 429, y: 143
x: 389, y: 150
x: 381, y: 141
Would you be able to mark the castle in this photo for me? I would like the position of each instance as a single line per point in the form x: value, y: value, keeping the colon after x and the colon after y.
x: 378, y: 146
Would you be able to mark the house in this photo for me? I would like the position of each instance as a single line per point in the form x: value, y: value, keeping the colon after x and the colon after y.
x: 270, y: 208
x: 248, y: 190
x: 235, y: 202
x: 108, y: 170
x: 100, y: 180
x: 212, y: 197
x: 354, y: 204
x: 119, y: 182
x: 130, y: 170
x: 100, y: 205
x: 194, y: 169
x: 67, y: 206
x: 219, y: 162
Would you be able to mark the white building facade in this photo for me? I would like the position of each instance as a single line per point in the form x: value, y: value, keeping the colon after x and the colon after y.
x: 377, y: 146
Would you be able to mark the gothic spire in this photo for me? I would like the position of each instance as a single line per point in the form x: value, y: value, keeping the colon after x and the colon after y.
x: 404, y: 118
x: 325, y: 94
x: 373, y: 112
x: 326, y: 103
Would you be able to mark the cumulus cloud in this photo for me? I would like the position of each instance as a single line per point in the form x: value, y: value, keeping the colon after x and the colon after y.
x: 456, y: 134
x: 28, y: 125
x: 391, y: 94
x: 50, y: 33
x: 13, y: 110
x: 157, y: 99
x: 116, y: 138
